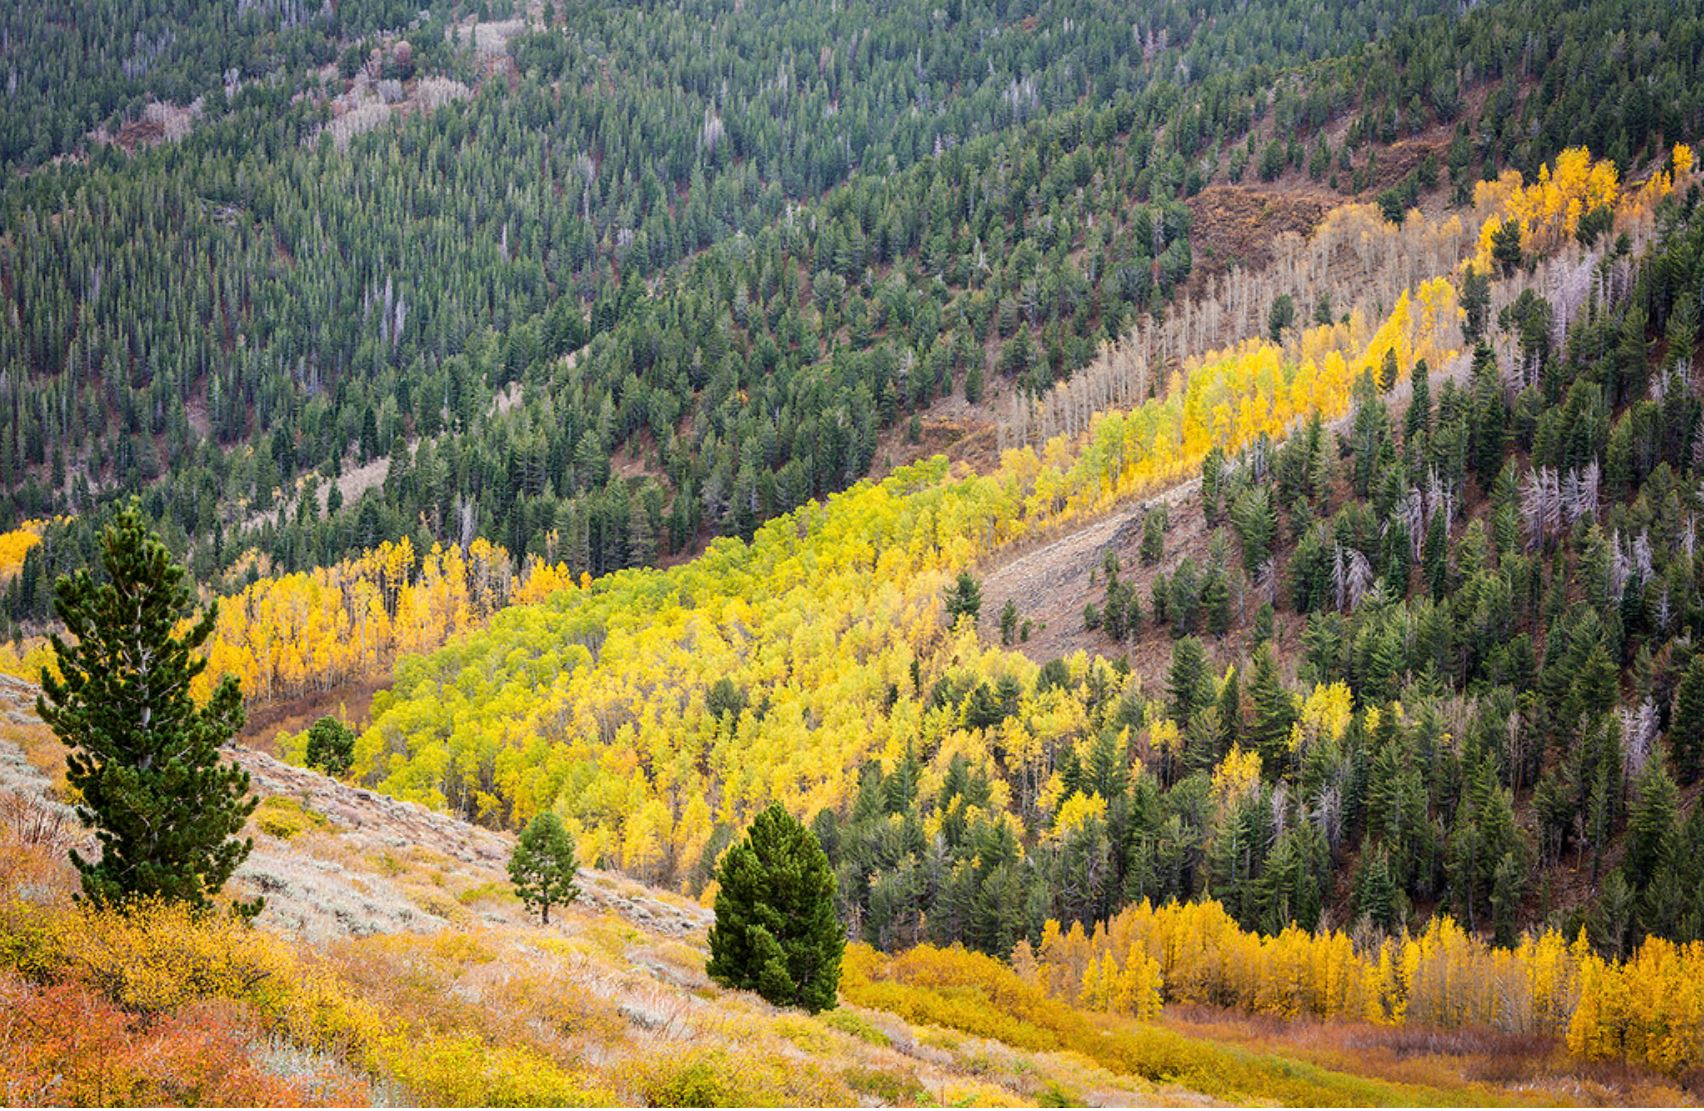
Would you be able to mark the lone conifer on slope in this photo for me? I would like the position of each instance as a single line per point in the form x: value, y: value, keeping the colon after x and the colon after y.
x: 144, y: 757
x: 543, y: 865
x: 776, y: 932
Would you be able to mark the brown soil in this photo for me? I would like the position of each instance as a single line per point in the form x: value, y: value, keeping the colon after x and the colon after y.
x: 1235, y: 225
x: 964, y: 433
x: 138, y: 133
x: 292, y: 715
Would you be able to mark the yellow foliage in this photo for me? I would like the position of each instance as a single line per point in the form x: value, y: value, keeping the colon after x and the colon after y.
x: 28, y: 664
x: 284, y: 818
x: 16, y: 544
x: 1164, y: 736
x: 851, y: 1022
x: 1648, y: 1010
x: 158, y: 957
x: 1548, y: 211
x: 1325, y: 714
x: 716, y: 1078
x: 1237, y: 775
x: 1076, y: 811
x: 461, y: 1070
x: 284, y: 635
x: 1132, y: 987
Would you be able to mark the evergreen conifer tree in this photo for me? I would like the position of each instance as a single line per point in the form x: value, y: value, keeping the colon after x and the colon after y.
x: 1686, y: 727
x: 1189, y: 681
x: 331, y: 746
x: 1274, y: 709
x: 1651, y: 823
x: 964, y: 598
x: 543, y: 865
x: 144, y: 757
x: 776, y: 932
x: 1375, y: 892
x: 1419, y: 416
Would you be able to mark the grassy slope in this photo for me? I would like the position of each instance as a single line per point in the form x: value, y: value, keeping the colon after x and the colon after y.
x: 405, y: 913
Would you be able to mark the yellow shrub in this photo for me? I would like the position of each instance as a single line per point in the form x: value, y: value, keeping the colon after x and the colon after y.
x: 32, y: 939
x: 716, y: 1078
x: 462, y: 1071
x: 283, y: 817
x: 978, y: 1095
x: 494, y: 891
x: 805, y: 1034
x: 896, y: 1088
x: 850, y: 1022
x: 156, y: 957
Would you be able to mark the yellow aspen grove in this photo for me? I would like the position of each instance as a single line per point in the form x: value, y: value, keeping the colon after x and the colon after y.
x: 1548, y: 211
x: 16, y: 544
x: 288, y: 635
x: 1647, y: 1010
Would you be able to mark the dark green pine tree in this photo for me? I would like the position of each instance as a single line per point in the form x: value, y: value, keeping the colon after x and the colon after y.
x: 1434, y: 557
x: 331, y: 746
x: 1686, y: 726
x: 964, y: 598
x: 1651, y: 824
x: 1274, y: 710
x: 1419, y: 416
x: 776, y: 932
x: 1376, y: 894
x: 144, y: 757
x: 1476, y: 305
x: 1189, y: 680
x: 543, y: 865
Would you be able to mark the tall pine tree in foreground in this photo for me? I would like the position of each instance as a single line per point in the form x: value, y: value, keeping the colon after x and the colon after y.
x: 776, y: 932
x: 144, y: 757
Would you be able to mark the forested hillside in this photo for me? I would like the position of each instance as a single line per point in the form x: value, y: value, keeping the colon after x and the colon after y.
x: 1195, y: 507
x: 1420, y: 751
x: 677, y: 676
x: 393, y: 966
x: 432, y: 279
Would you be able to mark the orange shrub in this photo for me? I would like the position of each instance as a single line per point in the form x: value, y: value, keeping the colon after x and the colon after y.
x: 65, y: 1044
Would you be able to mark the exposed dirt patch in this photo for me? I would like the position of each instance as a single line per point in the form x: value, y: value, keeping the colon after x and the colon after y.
x: 292, y: 715
x: 1050, y: 583
x: 950, y: 426
x: 1235, y: 225
x: 1050, y: 580
x: 160, y: 122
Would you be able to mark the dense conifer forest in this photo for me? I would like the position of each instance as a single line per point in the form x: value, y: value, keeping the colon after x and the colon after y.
x: 401, y: 275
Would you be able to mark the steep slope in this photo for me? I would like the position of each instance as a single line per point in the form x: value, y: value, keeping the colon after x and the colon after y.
x: 1373, y: 766
x: 767, y: 271
x: 402, y: 970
